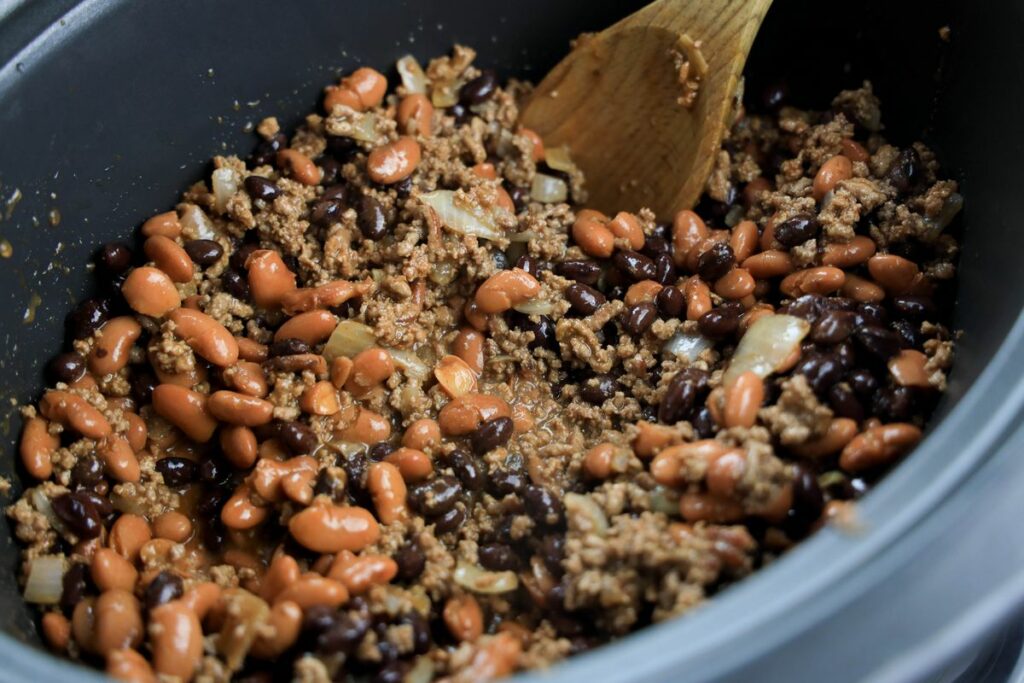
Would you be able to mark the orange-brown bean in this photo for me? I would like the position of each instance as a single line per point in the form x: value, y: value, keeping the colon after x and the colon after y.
x: 118, y: 458
x: 360, y: 574
x: 708, y: 507
x: 536, y: 143
x: 150, y: 292
x: 415, y: 115
x: 137, y: 433
x: 465, y: 413
x: 239, y: 446
x: 285, y: 622
x: 840, y: 432
x: 37, y: 447
x: 742, y: 400
x: 207, y: 337
x: 494, y: 657
x: 388, y: 491
x: 370, y: 368
x: 173, y: 526
x: 113, y: 345
x: 687, y: 231
x: 591, y: 233
x: 110, y: 570
x: 321, y: 398
x: 326, y: 528
x: 743, y: 240
x: 170, y: 257
x: 128, y: 665
x: 767, y: 264
x: 240, y: 409
x: 282, y: 572
x: 369, y: 85
x: 341, y: 368
x: 848, y: 254
x: 240, y: 513
x: 627, y: 226
x: 269, y: 278
x: 423, y: 434
x: 735, y: 284
x: 56, y: 630
x: 469, y: 346
x: 861, y: 289
x: 464, y: 618
x: 186, y: 410
x: 247, y: 378
x: 364, y: 426
x: 455, y: 376
x: 485, y: 170
x: 202, y: 598
x: 298, y: 166
x: 327, y: 295
x: 75, y: 413
x: 394, y: 161
x: 117, y: 621
x: 651, y: 438
x: 698, y: 297
x: 312, y: 589
x: 506, y: 289
x: 909, y: 368
x: 127, y: 536
x: 831, y: 173
x: 878, y: 446
x: 175, y: 639
x: 415, y: 465
x: 311, y: 327
x: 164, y: 224
x: 895, y: 273
x: 643, y: 291
x: 816, y: 280
x: 597, y: 462
x: 474, y: 316
x: 725, y: 472
x: 853, y: 150
x: 250, y: 350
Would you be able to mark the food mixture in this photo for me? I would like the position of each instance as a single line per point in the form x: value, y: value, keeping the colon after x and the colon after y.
x: 385, y: 401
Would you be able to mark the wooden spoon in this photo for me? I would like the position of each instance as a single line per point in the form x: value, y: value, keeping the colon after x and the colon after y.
x: 644, y: 104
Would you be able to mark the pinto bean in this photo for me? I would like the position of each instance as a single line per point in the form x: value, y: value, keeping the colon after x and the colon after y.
x: 364, y: 426
x: 506, y: 289
x: 185, y: 409
x: 240, y: 409
x: 388, y: 490
x: 878, y: 446
x: 165, y: 224
x: 332, y: 528
x: 75, y: 413
x: 312, y: 327
x: 464, y: 414
x: 464, y: 618
x: 239, y: 446
x: 175, y: 639
x: 170, y: 257
x: 118, y: 458
x: 113, y: 345
x: 150, y: 292
x: 37, y: 448
x: 269, y: 278
x: 207, y: 337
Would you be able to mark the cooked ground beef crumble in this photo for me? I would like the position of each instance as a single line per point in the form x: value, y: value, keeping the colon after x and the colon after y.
x: 384, y: 401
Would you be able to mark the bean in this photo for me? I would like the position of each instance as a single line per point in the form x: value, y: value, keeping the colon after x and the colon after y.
x: 698, y: 298
x: 270, y: 280
x: 87, y: 473
x: 450, y: 521
x: 207, y: 337
x: 707, y: 507
x: 287, y: 347
x: 639, y: 318
x: 320, y: 398
x: 330, y: 528
x: 495, y: 657
x: 411, y: 561
x: 37, y: 447
x: 74, y: 586
x: 505, y: 290
x: 114, y: 258
x: 743, y: 399
x: 878, y: 446
x: 467, y: 470
x: 138, y: 433
x: 387, y: 488
x: 721, y: 322
x: 312, y: 327
x: 904, y: 170
x: 366, y: 426
x: 584, y: 272
x: 769, y: 264
x: 285, y: 622
x: 715, y: 262
x: 590, y: 231
x: 168, y: 256
x: 844, y: 402
x: 687, y: 231
x: 743, y: 240
x: 368, y: 85
x: 66, y: 367
x: 725, y: 471
x: 239, y: 446
x: 185, y: 409
x: 840, y: 432
x: 860, y: 289
x: 737, y: 284
x: 818, y: 280
x: 299, y: 166
x: 542, y: 506
x: 584, y: 299
x: 634, y: 264
x: 173, y: 526
x: 908, y: 368
x: 877, y: 341
x: 128, y: 665
x: 56, y: 630
x: 895, y: 273
x: 413, y: 465
x: 151, y: 292
x: 176, y: 640
x: 464, y: 618
x: 831, y: 173
x: 480, y: 89
x: 465, y: 413
x: 116, y: 622
x: 363, y: 573
x: 113, y: 345
x: 436, y: 497
x: 848, y: 254
x: 261, y: 189
x: 74, y: 412
x: 165, y: 587
x: 671, y: 301
x: 370, y: 368
x: 491, y: 434
x: 415, y: 115
x: 645, y: 290
x: 109, y: 570
x: 312, y: 589
x: 394, y: 161
x: 165, y: 224
x: 681, y: 395
x: 598, y: 389
x: 177, y: 472
x: 796, y: 230
x: 127, y: 536
x: 235, y: 285
x: 821, y: 370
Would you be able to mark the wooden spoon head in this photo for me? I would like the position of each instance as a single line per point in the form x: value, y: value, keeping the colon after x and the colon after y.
x: 615, y: 101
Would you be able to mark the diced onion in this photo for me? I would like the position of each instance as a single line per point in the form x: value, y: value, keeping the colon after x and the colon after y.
x: 225, y: 184
x: 535, y: 307
x: 950, y: 208
x: 548, y: 189
x: 42, y: 503
x: 421, y: 672
x: 196, y: 225
x: 766, y: 346
x: 443, y: 273
x: 444, y: 95
x: 688, y: 345
x: 467, y: 220
x: 45, y: 580
x: 348, y: 339
x: 364, y: 128
x: 665, y: 500
x: 585, y: 515
x: 558, y: 158
x: 413, y: 78
x: 480, y: 580
x: 410, y: 363
x: 524, y: 236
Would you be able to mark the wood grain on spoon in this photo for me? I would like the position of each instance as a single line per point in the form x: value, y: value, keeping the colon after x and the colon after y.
x: 644, y: 104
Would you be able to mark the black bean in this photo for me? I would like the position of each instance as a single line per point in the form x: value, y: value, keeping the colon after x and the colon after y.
x: 904, y: 170
x: 833, y: 327
x: 498, y: 557
x: 586, y: 272
x: 584, y: 298
x: 164, y: 587
x: 265, y: 150
x: 878, y: 341
x: 542, y: 506
x: 78, y: 514
x: 323, y: 212
x: 913, y: 307
x: 101, y: 504
x: 204, y: 253
x: 721, y: 322
x: 681, y: 394
x: 391, y: 672
x: 379, y: 451
x: 479, y: 89
x: 491, y: 434
x: 655, y: 245
x: 87, y: 317
x: 291, y: 262
x: 844, y: 402
x: 330, y: 170
x: 809, y: 307
x: 640, y: 317
x: 500, y: 260
x: 341, y: 148
x: 261, y: 188
x: 871, y: 314
x: 543, y: 333
x: 908, y: 332
x: 87, y: 472
x: 808, y: 500
x: 177, y: 471
x: 74, y: 586
x: 330, y: 482
x: 298, y: 438
x: 838, y: 303
x: 420, y: 630
x: 862, y: 381
x: 635, y: 264
x: 520, y: 196
x: 411, y: 561
x: 114, y: 258
x: 288, y: 347
x: 66, y: 367
x: 436, y: 497
x: 821, y: 370
x: 344, y: 634
x: 599, y: 389
x: 552, y: 552
x: 467, y: 470
x: 894, y: 403
x: 370, y: 218
x: 529, y: 264
x: 142, y: 383
x: 703, y: 423
x: 664, y: 269
x: 796, y: 230
x: 671, y: 301
x: 449, y: 521
x: 715, y: 262
x: 234, y: 284
x: 213, y: 471
x: 461, y: 113
x: 339, y: 192
x: 505, y: 482
x: 845, y: 354
x: 317, y: 619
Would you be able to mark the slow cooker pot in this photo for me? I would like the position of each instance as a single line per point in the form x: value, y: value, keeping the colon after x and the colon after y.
x: 110, y: 107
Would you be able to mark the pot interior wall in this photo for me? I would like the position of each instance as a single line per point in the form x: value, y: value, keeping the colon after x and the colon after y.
x: 119, y: 106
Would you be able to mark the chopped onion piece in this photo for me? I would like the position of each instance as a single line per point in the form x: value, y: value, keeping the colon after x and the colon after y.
x: 535, y: 307
x: 410, y: 363
x: 196, y: 225
x: 443, y: 273
x: 413, y: 78
x: 766, y: 346
x: 558, y: 158
x: 665, y: 500
x: 524, y: 236
x: 444, y: 95
x: 225, y: 184
x: 348, y: 339
x: 348, y: 448
x: 950, y: 208
x: 465, y: 220
x: 548, y: 189
x: 585, y: 515
x: 687, y: 345
x: 45, y: 580
x: 42, y: 503
x: 421, y: 672
x: 364, y: 129
x: 480, y: 580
